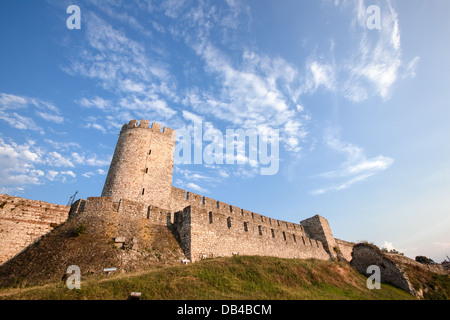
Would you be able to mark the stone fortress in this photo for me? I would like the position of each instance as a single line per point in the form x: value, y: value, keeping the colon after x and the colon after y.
x: 139, y: 187
x: 139, y: 181
x: 140, y: 212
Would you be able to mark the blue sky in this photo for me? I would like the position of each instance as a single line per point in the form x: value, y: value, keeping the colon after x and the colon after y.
x: 362, y: 114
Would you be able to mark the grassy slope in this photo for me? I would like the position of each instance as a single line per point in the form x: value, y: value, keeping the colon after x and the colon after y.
x: 225, y: 278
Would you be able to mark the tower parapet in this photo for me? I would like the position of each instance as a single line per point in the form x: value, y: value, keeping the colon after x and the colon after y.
x: 142, y: 164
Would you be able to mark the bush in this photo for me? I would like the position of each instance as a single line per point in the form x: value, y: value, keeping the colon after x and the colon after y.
x: 78, y: 230
x: 424, y: 260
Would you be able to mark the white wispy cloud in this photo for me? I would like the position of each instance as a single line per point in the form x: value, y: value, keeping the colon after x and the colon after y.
x: 60, y: 176
x: 196, y: 187
x: 98, y: 172
x: 139, y: 81
x: 257, y: 90
x: 20, y: 122
x: 96, y: 102
x: 63, y: 145
x: 96, y: 126
x: 376, y: 60
x: 10, y: 101
x: 388, y: 245
x: 50, y: 117
x: 90, y: 160
x: 115, y: 10
x: 13, y: 107
x: 17, y: 165
x: 356, y: 167
x: 377, y: 63
x: 26, y: 164
x: 320, y: 74
x: 56, y: 159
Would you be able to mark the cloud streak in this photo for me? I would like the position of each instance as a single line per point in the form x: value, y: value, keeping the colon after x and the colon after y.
x: 377, y: 63
x: 355, y: 169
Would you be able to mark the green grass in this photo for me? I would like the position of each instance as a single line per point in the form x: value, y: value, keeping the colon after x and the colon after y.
x: 239, y: 277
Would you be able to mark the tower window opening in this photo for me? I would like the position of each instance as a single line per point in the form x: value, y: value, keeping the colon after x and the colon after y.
x: 245, y: 227
x: 210, y: 217
x: 143, y: 191
x: 150, y: 152
x: 229, y: 222
x: 146, y: 170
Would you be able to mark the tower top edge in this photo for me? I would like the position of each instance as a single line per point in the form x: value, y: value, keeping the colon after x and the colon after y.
x: 145, y: 124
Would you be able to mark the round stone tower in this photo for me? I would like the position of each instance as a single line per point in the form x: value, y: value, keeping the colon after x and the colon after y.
x: 142, y: 166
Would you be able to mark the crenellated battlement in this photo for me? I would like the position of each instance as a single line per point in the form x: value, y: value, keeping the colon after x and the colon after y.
x: 145, y: 124
x: 182, y: 198
x: 210, y: 234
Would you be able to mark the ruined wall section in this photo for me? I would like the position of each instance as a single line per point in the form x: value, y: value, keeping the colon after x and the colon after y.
x: 24, y: 221
x: 142, y: 165
x: 319, y: 229
x: 345, y: 248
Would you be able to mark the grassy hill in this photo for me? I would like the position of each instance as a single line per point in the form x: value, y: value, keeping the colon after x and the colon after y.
x: 239, y: 277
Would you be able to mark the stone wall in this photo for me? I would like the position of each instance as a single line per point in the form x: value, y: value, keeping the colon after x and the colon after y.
x: 212, y: 228
x: 180, y: 199
x: 206, y: 233
x: 24, y: 221
x: 123, y: 207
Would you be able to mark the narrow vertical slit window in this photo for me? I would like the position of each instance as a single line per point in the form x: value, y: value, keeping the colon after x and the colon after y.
x: 245, y: 227
x: 210, y: 217
x: 143, y: 191
x: 260, y: 230
x: 229, y: 222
